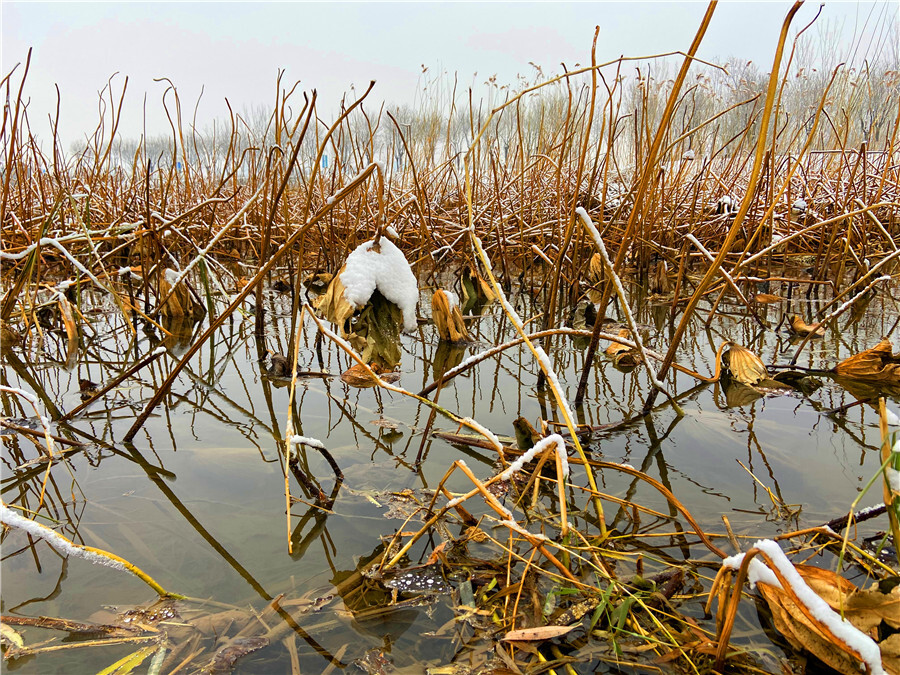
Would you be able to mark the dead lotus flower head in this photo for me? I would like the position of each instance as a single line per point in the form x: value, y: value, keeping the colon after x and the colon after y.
x: 801, y: 328
x: 743, y: 365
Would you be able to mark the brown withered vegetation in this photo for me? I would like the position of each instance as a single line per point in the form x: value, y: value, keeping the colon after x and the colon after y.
x: 753, y: 195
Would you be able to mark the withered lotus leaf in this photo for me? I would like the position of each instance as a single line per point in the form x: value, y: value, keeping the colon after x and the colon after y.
x: 616, y: 348
x: 181, y: 303
x: 332, y: 303
x: 801, y: 328
x: 358, y: 376
x: 595, y: 275
x: 448, y: 318
x: 865, y: 609
x: 744, y: 366
x: 878, y: 364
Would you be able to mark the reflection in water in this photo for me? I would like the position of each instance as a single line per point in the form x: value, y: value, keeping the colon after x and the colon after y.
x: 200, y: 494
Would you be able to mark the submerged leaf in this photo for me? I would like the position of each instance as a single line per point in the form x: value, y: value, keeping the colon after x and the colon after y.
x: 279, y: 366
x: 877, y: 364
x: 526, y: 435
x: 538, y: 633
x: 375, y: 332
x: 629, y: 359
x: 231, y: 651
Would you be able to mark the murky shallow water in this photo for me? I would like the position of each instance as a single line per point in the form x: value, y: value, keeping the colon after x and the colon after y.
x: 198, y: 500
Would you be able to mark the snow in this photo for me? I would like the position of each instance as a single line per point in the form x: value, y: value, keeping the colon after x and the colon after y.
x: 505, y: 511
x: 31, y: 398
x: 469, y: 360
x: 799, y: 206
x: 864, y: 646
x: 172, y: 277
x: 57, y: 541
x: 725, y: 205
x: 124, y: 271
x: 688, y: 155
x: 554, y: 380
x: 856, y: 297
x: 386, y: 270
x: 893, y: 478
x: 553, y: 439
x: 46, y: 241
x: 158, y: 350
x: 620, y: 290
x: 756, y: 570
x: 305, y: 440
x: 866, y: 511
x: 484, y: 431
x: 452, y: 298
x: 514, y: 526
x: 391, y: 232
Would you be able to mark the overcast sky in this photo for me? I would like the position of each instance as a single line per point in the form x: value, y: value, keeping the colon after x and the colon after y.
x: 235, y: 49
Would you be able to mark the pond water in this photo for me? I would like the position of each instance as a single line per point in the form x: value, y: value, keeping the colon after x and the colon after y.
x: 197, y: 501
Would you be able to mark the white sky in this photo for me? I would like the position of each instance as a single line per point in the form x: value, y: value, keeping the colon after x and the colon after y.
x: 235, y: 49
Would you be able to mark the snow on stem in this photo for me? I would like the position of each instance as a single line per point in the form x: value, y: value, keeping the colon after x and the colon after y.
x: 484, y: 431
x: 553, y: 440
x: 201, y: 254
x: 45, y: 423
x: 623, y: 300
x: 540, y: 356
x: 66, y: 547
x: 781, y: 573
